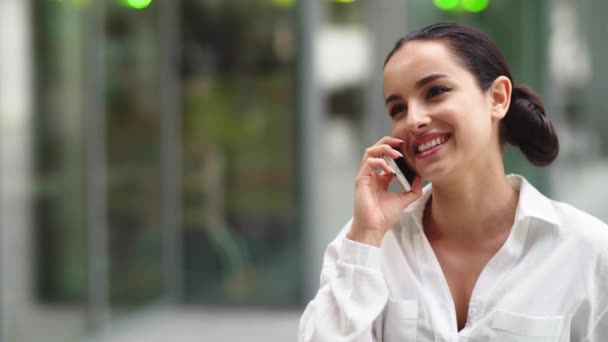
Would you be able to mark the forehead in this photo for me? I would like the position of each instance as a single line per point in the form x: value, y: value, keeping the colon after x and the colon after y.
x: 417, y: 59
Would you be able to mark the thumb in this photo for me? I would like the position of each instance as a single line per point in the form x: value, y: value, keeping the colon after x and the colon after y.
x: 416, y: 192
x: 417, y: 185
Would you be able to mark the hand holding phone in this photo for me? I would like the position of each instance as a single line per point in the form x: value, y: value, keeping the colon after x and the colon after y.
x: 377, y: 209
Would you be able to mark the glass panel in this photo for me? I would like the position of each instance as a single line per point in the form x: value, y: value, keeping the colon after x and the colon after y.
x: 133, y: 155
x: 241, y: 243
x: 59, y: 232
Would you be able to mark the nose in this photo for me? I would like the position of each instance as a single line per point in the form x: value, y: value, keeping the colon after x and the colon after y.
x: 418, y: 119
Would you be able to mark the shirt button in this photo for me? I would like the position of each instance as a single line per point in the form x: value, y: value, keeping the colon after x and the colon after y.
x: 472, y: 311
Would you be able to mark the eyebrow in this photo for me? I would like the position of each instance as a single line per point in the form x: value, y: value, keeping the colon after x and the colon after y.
x: 421, y: 83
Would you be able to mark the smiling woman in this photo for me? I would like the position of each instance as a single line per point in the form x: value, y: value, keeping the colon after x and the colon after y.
x: 466, y: 257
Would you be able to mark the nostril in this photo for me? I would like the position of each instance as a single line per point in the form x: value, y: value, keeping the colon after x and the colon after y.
x: 418, y: 129
x: 422, y: 124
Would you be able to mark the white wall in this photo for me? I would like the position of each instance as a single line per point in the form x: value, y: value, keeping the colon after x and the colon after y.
x: 15, y: 167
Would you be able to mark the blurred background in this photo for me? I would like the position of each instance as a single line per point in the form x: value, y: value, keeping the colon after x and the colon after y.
x: 172, y: 170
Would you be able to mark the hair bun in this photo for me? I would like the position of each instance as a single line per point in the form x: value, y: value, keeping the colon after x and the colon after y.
x: 527, y: 127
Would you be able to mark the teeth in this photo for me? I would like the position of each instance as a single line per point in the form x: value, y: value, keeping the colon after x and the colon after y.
x: 430, y: 144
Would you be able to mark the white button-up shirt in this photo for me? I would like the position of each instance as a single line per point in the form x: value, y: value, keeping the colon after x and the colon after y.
x: 548, y: 282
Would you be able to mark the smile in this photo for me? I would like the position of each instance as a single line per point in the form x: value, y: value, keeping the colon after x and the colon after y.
x: 432, y: 143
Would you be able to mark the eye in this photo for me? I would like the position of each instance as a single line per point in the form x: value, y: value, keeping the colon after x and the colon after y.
x: 436, y: 91
x: 397, y: 109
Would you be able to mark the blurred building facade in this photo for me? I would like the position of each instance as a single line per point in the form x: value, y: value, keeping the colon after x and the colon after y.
x: 199, y: 155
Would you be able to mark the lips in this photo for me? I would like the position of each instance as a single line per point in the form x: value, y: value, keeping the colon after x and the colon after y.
x: 428, y: 142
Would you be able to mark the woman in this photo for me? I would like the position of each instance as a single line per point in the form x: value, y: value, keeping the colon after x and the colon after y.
x: 477, y: 255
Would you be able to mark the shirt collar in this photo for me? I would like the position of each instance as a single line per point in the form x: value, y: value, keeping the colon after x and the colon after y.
x: 531, y: 203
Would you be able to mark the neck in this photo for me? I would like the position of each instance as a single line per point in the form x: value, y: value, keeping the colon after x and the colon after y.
x: 471, y: 207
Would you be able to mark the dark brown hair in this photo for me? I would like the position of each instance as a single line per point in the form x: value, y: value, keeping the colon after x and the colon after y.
x: 525, y: 125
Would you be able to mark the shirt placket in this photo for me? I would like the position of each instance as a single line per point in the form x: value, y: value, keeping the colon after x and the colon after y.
x: 438, y: 291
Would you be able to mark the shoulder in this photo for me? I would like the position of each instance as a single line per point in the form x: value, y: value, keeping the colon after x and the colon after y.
x: 572, y: 224
x: 580, y: 223
x: 585, y: 231
x: 583, y: 241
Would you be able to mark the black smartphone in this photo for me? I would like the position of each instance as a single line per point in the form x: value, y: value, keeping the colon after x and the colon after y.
x: 403, y: 172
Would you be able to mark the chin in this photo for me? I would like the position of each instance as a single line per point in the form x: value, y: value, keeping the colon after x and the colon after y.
x: 435, y: 174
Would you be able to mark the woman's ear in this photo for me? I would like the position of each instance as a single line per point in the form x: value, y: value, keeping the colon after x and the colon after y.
x: 500, y: 97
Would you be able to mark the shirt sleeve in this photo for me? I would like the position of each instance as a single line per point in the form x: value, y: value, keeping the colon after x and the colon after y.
x: 599, y: 332
x: 351, y: 296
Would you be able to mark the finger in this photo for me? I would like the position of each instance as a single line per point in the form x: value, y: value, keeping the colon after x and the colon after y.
x: 417, y: 185
x: 388, y: 177
x: 388, y: 140
x: 371, y: 166
x: 380, y: 151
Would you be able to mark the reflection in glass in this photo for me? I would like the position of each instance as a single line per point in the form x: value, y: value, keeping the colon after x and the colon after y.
x: 240, y: 237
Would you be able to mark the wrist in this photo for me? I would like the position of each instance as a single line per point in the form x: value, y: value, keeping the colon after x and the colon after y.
x: 365, y: 236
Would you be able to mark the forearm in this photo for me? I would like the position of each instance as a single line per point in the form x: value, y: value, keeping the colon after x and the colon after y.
x: 353, y: 294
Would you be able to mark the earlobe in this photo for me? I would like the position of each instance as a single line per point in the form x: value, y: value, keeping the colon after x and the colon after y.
x: 500, y: 92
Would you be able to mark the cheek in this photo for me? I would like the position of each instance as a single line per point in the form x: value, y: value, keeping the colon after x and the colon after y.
x: 469, y: 126
x: 479, y: 132
x: 397, y: 127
